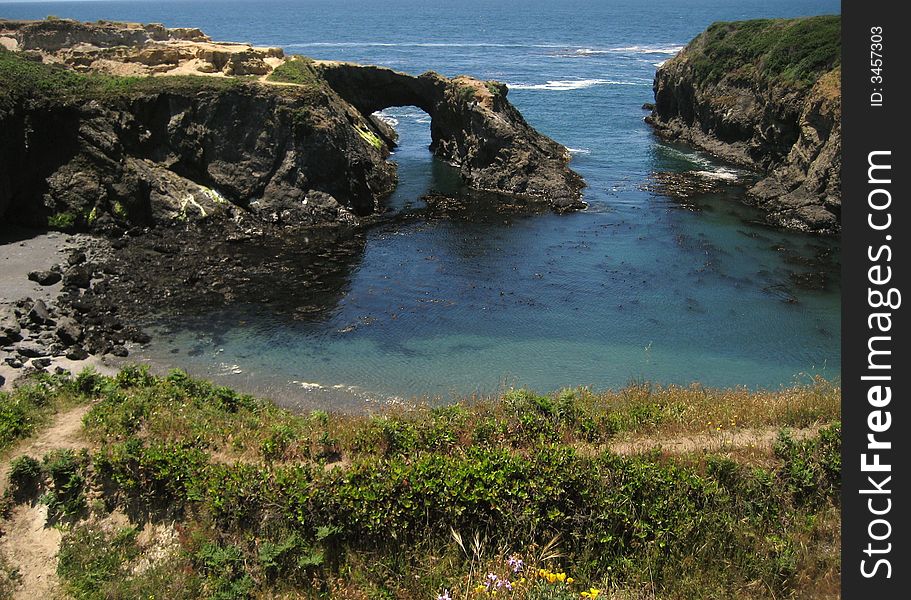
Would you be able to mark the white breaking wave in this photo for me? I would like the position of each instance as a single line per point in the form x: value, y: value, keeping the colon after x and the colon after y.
x: 417, y: 45
x: 719, y: 173
x: 648, y: 49
x: 563, y: 85
x: 308, y: 385
x: 386, y: 118
x: 579, y: 151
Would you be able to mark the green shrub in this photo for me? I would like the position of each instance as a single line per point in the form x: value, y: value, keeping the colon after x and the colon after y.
x: 66, y: 470
x: 90, y: 560
x: 795, y: 51
x: 223, y: 566
x: 25, y: 477
x: 298, y: 70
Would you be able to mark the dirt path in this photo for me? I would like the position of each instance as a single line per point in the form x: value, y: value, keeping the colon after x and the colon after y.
x: 25, y: 540
x: 758, y: 439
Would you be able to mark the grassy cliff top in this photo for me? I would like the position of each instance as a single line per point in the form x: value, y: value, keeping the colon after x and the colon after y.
x: 22, y: 79
x: 790, y: 51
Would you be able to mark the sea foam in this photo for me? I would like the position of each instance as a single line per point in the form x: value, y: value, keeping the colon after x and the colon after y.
x: 563, y: 85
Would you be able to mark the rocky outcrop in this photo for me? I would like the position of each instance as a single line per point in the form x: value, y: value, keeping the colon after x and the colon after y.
x: 110, y: 152
x: 177, y: 156
x: 764, y: 95
x: 473, y: 126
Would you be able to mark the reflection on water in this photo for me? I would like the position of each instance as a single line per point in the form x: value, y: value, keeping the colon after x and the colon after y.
x: 443, y: 306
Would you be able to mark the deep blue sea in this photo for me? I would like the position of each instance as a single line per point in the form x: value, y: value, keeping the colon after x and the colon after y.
x: 637, y: 287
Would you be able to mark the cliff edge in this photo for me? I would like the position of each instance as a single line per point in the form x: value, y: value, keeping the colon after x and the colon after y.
x: 764, y: 94
x: 105, y: 125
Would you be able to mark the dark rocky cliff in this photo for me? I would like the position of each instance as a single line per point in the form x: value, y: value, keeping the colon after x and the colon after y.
x: 766, y: 95
x: 89, y: 139
x: 179, y: 155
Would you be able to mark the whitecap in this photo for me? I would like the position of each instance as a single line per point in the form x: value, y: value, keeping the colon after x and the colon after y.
x: 564, y: 85
x: 308, y: 385
x: 719, y: 173
x: 386, y: 118
x: 579, y: 150
x: 648, y: 49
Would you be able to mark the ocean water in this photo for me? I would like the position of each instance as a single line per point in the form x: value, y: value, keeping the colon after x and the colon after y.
x: 637, y: 287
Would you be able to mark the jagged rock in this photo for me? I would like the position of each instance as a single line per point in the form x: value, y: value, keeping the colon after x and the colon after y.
x: 79, y: 276
x: 10, y: 330
x: 77, y: 353
x: 39, y: 314
x: 31, y: 349
x: 76, y: 257
x: 68, y: 331
x: 790, y: 130
x: 45, y: 277
x: 13, y: 362
x: 120, y: 351
x: 41, y: 363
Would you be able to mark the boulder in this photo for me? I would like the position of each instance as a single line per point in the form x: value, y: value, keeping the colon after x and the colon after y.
x: 39, y: 314
x: 77, y: 353
x: 68, y: 331
x: 31, y: 349
x: 10, y: 330
x: 45, y: 277
x: 79, y: 276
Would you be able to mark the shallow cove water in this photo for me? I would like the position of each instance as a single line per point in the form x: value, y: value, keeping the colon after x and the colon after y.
x: 637, y: 287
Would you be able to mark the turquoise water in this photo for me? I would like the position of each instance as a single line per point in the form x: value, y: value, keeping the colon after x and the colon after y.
x: 636, y: 287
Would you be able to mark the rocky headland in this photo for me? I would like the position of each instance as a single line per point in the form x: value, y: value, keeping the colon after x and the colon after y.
x: 190, y: 156
x: 765, y: 95
x: 110, y: 125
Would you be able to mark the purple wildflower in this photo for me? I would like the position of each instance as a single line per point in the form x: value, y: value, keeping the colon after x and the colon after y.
x: 515, y: 563
x: 492, y: 581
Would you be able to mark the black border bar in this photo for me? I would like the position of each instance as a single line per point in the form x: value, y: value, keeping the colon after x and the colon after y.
x: 876, y: 369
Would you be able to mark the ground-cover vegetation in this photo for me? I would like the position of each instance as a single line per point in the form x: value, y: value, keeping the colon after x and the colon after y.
x: 792, y: 51
x: 193, y: 490
x: 33, y: 82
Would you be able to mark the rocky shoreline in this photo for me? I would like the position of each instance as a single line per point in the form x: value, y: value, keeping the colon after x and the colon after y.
x: 59, y: 322
x: 764, y: 95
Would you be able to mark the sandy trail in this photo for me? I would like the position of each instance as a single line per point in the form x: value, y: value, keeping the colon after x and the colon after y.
x: 716, y: 441
x: 26, y: 541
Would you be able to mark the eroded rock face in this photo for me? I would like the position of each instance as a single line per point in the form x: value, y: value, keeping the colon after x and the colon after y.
x: 473, y: 126
x: 789, y: 132
x: 282, y: 153
x: 169, y: 157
